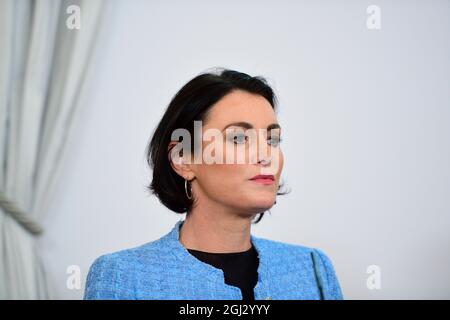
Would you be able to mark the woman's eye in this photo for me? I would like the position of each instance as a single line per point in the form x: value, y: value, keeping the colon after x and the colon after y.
x: 274, y: 141
x: 240, y: 139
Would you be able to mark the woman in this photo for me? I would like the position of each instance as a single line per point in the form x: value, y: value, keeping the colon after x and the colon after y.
x: 212, y: 253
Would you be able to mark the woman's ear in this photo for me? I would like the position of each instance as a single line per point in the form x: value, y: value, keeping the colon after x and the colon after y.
x: 178, y: 161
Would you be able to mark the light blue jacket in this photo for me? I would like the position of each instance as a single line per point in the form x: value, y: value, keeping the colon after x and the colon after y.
x: 164, y: 269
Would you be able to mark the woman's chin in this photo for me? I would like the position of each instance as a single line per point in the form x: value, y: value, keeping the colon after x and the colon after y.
x: 262, y: 204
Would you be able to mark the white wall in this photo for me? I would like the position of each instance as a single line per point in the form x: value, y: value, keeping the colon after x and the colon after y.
x: 365, y: 118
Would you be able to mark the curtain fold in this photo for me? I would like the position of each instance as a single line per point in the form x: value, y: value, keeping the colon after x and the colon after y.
x: 42, y: 67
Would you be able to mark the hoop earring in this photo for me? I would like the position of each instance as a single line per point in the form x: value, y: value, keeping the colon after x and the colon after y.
x: 185, y: 189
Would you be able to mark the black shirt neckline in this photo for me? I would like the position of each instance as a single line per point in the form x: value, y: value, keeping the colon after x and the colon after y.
x: 240, y: 268
x: 249, y: 251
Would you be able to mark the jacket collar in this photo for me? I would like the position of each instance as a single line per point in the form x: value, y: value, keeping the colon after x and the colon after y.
x: 172, y: 240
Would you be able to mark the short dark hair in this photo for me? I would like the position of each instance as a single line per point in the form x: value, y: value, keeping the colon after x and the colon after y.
x: 192, y: 103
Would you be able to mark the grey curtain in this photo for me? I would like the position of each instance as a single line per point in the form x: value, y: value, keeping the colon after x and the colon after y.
x: 42, y: 66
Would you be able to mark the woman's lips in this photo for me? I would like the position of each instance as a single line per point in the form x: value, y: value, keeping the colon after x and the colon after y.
x: 263, y: 181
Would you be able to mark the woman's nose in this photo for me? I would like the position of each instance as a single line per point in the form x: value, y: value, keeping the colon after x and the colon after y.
x: 265, y: 160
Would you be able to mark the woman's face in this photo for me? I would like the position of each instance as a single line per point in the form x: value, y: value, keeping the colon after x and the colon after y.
x: 229, y: 184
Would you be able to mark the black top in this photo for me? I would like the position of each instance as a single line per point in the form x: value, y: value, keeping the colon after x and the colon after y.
x: 240, y: 268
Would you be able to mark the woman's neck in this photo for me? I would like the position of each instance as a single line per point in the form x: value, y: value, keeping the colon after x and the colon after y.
x: 216, y: 233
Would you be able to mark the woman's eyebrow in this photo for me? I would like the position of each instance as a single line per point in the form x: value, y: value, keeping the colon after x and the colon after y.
x: 247, y: 125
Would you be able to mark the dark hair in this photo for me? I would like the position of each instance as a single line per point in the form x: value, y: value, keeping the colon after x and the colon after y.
x: 192, y: 102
